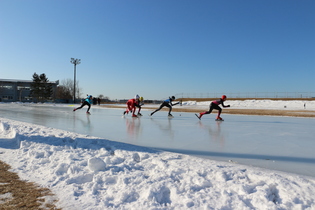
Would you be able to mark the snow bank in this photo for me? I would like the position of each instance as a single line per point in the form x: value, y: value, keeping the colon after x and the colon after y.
x: 92, y: 173
x: 261, y: 104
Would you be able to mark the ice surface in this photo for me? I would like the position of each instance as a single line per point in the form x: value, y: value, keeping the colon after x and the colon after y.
x: 280, y: 143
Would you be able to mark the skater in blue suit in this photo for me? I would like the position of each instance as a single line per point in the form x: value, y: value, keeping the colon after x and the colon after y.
x: 88, y: 101
x: 167, y: 103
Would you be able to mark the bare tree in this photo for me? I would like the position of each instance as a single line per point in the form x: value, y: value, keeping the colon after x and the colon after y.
x: 101, y: 96
x: 66, y: 89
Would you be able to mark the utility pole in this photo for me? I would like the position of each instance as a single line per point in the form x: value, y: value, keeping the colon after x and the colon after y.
x: 75, y: 62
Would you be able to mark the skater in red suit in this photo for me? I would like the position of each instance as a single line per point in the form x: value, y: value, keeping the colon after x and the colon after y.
x: 215, y: 105
x: 132, y: 104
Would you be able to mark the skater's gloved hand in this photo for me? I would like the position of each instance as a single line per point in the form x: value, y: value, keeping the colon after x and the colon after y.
x: 228, y: 105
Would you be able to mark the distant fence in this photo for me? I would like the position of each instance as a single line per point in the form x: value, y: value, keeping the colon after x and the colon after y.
x: 248, y: 95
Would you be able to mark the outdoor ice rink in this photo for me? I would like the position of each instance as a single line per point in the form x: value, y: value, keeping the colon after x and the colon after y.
x: 280, y: 143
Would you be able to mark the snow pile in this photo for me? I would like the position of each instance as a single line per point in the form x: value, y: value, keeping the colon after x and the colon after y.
x: 92, y: 173
x: 260, y: 104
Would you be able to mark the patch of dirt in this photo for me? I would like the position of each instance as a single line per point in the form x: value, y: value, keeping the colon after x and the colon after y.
x: 17, y: 194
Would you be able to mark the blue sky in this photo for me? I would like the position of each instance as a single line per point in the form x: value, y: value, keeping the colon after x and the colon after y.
x: 159, y: 48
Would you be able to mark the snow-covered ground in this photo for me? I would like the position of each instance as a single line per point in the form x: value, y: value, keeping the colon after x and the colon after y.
x: 87, y: 172
x: 262, y: 104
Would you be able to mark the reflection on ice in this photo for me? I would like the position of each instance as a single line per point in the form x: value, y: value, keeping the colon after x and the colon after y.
x: 164, y: 126
x: 281, y: 143
x: 215, y: 133
x: 133, y: 127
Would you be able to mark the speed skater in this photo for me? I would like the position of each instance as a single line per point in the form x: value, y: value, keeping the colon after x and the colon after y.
x: 215, y: 105
x: 88, y: 101
x: 167, y: 103
x: 132, y: 104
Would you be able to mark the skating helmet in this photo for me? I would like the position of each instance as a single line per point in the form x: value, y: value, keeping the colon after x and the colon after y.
x: 137, y: 96
x: 223, y: 97
x: 141, y: 98
x: 90, y: 96
x: 173, y: 97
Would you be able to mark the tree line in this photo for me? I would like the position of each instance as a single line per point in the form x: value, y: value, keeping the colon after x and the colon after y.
x: 41, y: 89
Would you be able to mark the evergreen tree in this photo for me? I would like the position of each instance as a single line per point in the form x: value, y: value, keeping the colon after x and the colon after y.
x: 41, y: 89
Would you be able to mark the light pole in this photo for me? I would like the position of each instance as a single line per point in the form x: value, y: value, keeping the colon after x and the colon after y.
x: 75, y: 62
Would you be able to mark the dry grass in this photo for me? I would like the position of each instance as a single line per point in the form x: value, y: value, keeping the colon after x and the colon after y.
x: 242, y: 99
x: 271, y: 112
x: 24, y: 195
x: 289, y: 113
